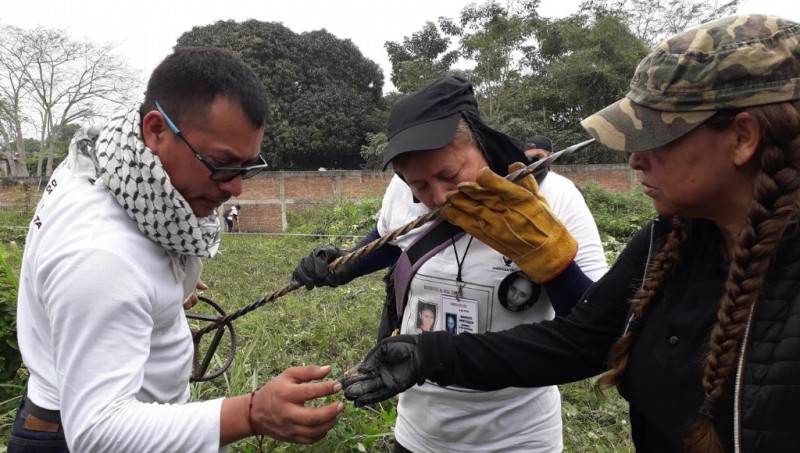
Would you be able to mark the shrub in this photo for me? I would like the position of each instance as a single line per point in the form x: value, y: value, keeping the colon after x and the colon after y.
x: 11, y: 383
x: 618, y: 215
x: 345, y: 217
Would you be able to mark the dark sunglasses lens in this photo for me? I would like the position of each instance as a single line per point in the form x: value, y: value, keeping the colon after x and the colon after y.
x: 251, y: 172
x: 226, y: 175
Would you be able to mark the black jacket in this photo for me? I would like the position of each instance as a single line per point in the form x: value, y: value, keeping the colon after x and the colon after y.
x: 662, y: 382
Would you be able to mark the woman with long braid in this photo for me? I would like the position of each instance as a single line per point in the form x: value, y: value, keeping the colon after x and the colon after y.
x: 697, y: 323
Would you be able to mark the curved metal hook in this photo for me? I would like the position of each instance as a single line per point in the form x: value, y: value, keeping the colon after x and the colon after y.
x: 219, y: 324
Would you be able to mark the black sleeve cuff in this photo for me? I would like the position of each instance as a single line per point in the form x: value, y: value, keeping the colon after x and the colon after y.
x: 566, y: 289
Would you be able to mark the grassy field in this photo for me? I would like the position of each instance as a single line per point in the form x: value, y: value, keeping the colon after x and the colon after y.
x: 337, y: 326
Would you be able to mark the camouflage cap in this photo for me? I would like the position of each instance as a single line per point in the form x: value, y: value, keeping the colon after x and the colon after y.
x: 734, y: 62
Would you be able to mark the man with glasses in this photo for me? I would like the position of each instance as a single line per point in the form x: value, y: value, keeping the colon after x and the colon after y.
x: 112, y: 253
x: 219, y: 174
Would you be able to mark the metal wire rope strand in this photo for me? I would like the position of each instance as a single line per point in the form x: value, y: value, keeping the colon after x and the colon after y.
x: 227, y: 320
x: 515, y: 176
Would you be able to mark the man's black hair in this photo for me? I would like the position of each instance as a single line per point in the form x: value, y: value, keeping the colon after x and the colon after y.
x: 187, y: 81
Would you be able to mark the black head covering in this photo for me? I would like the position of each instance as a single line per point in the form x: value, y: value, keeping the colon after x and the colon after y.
x: 427, y: 120
x: 539, y: 142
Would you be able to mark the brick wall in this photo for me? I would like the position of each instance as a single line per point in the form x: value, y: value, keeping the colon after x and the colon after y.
x: 267, y: 197
x: 616, y: 178
x: 270, y: 195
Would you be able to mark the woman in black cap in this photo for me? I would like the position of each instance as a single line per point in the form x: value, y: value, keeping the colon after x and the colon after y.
x: 436, y: 141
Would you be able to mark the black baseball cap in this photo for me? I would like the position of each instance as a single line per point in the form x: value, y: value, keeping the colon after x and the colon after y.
x: 538, y: 142
x: 428, y: 118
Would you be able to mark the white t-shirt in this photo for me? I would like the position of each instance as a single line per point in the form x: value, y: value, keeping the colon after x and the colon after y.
x: 431, y: 418
x: 102, y: 329
x: 233, y: 214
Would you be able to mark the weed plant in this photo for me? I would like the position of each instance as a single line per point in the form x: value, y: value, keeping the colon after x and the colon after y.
x: 617, y: 215
x: 342, y: 217
x: 11, y: 377
x: 337, y: 326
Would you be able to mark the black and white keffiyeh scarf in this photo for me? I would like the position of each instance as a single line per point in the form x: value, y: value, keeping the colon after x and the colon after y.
x: 119, y: 160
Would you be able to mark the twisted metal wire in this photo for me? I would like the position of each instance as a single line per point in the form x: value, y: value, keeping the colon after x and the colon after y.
x: 355, y: 254
x: 436, y: 213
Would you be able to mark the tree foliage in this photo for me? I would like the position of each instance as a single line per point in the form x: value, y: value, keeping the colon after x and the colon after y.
x: 326, y: 95
x: 532, y: 74
x: 498, y: 39
x: 50, y: 80
x: 373, y: 151
x: 536, y: 75
x: 588, y: 62
x: 653, y: 20
x: 420, y: 59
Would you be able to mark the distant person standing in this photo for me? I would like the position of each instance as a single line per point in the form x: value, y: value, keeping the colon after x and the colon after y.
x: 233, y: 216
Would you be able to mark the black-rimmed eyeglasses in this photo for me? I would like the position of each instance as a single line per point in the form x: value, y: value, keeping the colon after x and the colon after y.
x: 218, y: 174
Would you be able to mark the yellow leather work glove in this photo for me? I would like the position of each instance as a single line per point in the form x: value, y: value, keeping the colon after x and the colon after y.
x: 515, y: 220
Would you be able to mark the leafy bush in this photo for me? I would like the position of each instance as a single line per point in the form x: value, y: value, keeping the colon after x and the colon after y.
x: 618, y: 216
x: 11, y: 383
x: 343, y: 217
x: 10, y: 359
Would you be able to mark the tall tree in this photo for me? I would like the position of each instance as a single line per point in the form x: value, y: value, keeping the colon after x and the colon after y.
x: 420, y: 59
x: 326, y: 95
x: 13, y: 89
x: 588, y: 60
x: 497, y: 37
x: 69, y: 79
x: 53, y: 80
x: 653, y: 20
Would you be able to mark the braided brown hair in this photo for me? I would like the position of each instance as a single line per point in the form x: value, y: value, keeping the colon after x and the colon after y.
x: 773, y: 215
x: 773, y: 210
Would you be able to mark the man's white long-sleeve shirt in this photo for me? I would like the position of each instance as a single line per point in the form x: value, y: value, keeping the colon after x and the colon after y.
x: 102, y: 329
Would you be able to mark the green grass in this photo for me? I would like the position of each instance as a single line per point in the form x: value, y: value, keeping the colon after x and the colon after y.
x: 337, y: 326
x: 334, y: 326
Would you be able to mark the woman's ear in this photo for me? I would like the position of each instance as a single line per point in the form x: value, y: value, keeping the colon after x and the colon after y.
x: 748, y: 138
x: 154, y: 130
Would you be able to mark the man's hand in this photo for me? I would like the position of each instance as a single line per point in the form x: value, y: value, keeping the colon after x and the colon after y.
x: 312, y: 271
x: 391, y: 367
x: 191, y: 301
x: 279, y: 409
x: 515, y: 220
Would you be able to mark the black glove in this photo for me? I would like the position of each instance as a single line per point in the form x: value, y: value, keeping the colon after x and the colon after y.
x: 312, y: 271
x: 389, y: 368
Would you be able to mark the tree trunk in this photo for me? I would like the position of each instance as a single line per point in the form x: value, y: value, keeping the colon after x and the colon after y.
x: 50, y: 152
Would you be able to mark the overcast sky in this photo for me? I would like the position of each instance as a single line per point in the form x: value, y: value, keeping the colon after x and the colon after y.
x: 146, y: 30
